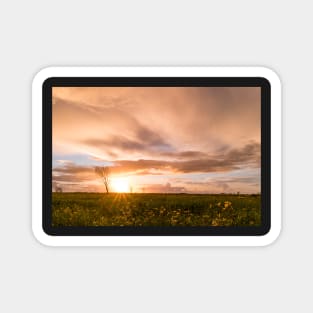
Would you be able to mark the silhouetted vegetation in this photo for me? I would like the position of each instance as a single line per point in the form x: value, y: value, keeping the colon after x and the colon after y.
x: 123, y: 209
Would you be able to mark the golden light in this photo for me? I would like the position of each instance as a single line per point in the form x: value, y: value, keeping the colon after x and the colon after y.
x: 120, y: 185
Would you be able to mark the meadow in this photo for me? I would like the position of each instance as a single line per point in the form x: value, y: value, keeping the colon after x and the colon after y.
x: 142, y: 209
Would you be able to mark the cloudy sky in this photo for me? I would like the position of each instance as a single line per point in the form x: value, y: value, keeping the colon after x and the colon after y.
x: 158, y: 139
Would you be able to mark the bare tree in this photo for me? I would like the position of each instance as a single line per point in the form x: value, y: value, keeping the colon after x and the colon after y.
x: 104, y: 173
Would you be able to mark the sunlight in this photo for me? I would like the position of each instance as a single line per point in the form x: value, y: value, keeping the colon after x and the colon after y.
x: 120, y: 185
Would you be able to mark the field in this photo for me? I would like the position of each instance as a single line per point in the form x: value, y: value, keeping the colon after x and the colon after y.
x: 125, y: 209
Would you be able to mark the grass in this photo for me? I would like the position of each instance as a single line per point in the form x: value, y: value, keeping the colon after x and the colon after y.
x: 118, y: 209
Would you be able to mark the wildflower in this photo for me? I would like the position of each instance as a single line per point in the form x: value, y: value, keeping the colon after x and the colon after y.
x: 214, y: 222
x: 227, y: 204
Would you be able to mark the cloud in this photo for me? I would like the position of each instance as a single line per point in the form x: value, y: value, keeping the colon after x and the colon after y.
x: 155, y: 131
x: 251, y: 180
x: 72, y: 168
x: 188, y: 119
x: 184, y: 154
x: 71, y: 174
x: 159, y: 188
x: 247, y: 156
x: 250, y: 154
x: 104, y: 130
x: 245, y: 184
x: 150, y: 142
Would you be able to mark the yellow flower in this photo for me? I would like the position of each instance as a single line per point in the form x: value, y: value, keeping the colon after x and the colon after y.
x: 227, y: 204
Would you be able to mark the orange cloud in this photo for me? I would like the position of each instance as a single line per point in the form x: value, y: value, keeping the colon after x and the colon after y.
x: 156, y: 130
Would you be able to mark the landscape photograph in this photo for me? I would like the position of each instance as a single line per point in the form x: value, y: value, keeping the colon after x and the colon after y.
x: 156, y: 156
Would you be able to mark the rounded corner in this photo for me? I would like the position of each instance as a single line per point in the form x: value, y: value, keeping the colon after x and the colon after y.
x: 43, y: 75
x: 270, y: 75
x: 271, y: 236
x: 41, y: 236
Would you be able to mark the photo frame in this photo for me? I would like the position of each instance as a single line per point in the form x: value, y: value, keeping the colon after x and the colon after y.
x: 226, y: 234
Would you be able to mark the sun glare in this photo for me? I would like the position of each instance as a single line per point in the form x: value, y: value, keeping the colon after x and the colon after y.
x: 120, y: 185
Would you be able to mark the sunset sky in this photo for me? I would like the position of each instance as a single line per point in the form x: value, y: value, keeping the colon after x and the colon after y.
x: 158, y: 139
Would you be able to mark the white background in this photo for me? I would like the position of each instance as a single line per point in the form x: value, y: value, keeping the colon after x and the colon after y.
x: 36, y: 34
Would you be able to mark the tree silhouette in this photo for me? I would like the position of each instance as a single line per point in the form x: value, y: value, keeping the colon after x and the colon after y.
x: 104, y: 173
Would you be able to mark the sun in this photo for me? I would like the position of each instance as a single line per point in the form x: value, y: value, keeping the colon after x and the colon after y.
x: 120, y: 185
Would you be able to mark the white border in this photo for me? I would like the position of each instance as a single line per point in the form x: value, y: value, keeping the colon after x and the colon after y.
x: 156, y: 240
